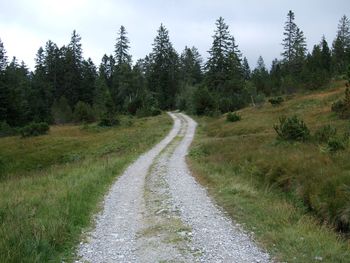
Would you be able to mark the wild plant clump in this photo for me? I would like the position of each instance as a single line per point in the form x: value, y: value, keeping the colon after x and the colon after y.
x: 325, y: 133
x: 233, y: 117
x: 109, y: 121
x: 34, y: 129
x: 292, y: 129
x: 276, y: 101
x: 342, y: 107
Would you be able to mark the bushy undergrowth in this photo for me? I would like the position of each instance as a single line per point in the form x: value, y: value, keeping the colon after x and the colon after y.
x: 148, y: 111
x: 233, y: 117
x: 7, y: 130
x: 34, y: 129
x: 342, y: 106
x: 109, y: 121
x: 83, y: 113
x: 325, y: 133
x: 276, y: 101
x: 292, y: 129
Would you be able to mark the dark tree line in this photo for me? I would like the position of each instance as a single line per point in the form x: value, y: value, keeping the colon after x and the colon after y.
x: 65, y: 87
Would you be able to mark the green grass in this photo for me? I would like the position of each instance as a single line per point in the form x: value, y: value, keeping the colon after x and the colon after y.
x: 52, y: 184
x: 291, y: 195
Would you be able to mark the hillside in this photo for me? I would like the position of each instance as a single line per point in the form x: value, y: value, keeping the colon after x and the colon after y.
x: 293, y: 195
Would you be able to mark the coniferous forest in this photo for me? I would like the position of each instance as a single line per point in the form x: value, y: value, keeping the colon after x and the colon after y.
x: 65, y: 87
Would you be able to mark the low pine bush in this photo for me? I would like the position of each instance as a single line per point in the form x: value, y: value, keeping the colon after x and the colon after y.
x: 148, y: 111
x: 83, y: 113
x: 6, y: 130
x: 233, y: 117
x: 276, y: 101
x: 292, y: 129
x: 34, y: 129
x: 342, y: 107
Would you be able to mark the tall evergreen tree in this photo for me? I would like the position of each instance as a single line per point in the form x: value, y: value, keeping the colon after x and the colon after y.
x: 73, y: 61
x: 246, y: 69
x: 190, y: 66
x: 224, y: 74
x: 217, y: 64
x: 260, y: 77
x: 41, y: 95
x: 89, y: 75
x: 288, y: 42
x: 122, y: 47
x: 164, y: 72
x: 4, y: 89
x: 341, y: 46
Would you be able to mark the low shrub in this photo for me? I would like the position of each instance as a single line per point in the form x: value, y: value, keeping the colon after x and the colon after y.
x: 109, y: 121
x: 325, y: 133
x: 276, y: 101
x: 34, y: 129
x: 338, y: 143
x: 83, y: 113
x: 342, y: 106
x: 292, y: 129
x: 6, y: 130
x: 233, y: 117
x: 148, y: 111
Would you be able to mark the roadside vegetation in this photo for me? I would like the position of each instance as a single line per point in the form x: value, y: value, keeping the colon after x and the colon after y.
x: 286, y: 184
x: 51, y: 185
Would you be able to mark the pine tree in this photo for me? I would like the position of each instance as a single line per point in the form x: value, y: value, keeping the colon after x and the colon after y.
x: 89, y: 75
x: 246, y: 69
x: 260, y: 77
x: 288, y: 42
x: 41, y: 95
x: 163, y: 74
x: 122, y: 48
x: 73, y: 61
x: 217, y: 63
x: 341, y: 46
x: 326, y: 57
x: 4, y: 89
x: 3, y: 57
x: 190, y: 66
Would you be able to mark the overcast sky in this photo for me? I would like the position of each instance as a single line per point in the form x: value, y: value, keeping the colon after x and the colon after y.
x: 25, y: 25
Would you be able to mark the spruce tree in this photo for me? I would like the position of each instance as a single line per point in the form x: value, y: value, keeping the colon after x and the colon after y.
x: 341, y: 46
x: 122, y: 48
x: 246, y: 69
x: 288, y: 42
x: 41, y: 95
x: 190, y: 66
x: 163, y: 74
x: 260, y: 77
x: 4, y: 89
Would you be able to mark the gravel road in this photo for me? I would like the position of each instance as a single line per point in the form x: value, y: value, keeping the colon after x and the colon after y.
x: 157, y: 212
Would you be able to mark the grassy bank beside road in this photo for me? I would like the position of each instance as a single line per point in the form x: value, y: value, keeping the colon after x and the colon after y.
x: 51, y: 185
x: 286, y: 193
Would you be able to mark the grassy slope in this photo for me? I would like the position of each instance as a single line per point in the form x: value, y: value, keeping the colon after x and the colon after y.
x: 263, y: 183
x: 52, y: 184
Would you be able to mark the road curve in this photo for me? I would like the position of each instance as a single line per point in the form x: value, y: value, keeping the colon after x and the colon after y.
x: 157, y: 212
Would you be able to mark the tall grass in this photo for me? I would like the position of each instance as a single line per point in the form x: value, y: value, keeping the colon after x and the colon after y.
x: 291, y: 194
x: 52, y: 184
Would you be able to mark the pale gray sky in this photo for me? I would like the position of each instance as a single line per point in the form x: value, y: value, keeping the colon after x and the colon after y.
x: 25, y: 25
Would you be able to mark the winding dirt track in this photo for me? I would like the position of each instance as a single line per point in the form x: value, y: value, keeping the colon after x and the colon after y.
x: 157, y: 212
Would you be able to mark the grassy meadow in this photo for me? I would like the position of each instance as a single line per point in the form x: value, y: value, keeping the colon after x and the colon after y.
x: 295, y: 196
x: 51, y: 185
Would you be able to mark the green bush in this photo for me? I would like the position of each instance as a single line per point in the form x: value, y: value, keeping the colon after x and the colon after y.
x: 109, y: 121
x: 338, y: 143
x: 6, y: 130
x: 34, y: 129
x: 203, y: 101
x: 148, y: 111
x: 233, y: 117
x: 292, y: 129
x: 276, y: 101
x: 83, y: 113
x: 325, y: 133
x: 342, y: 107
